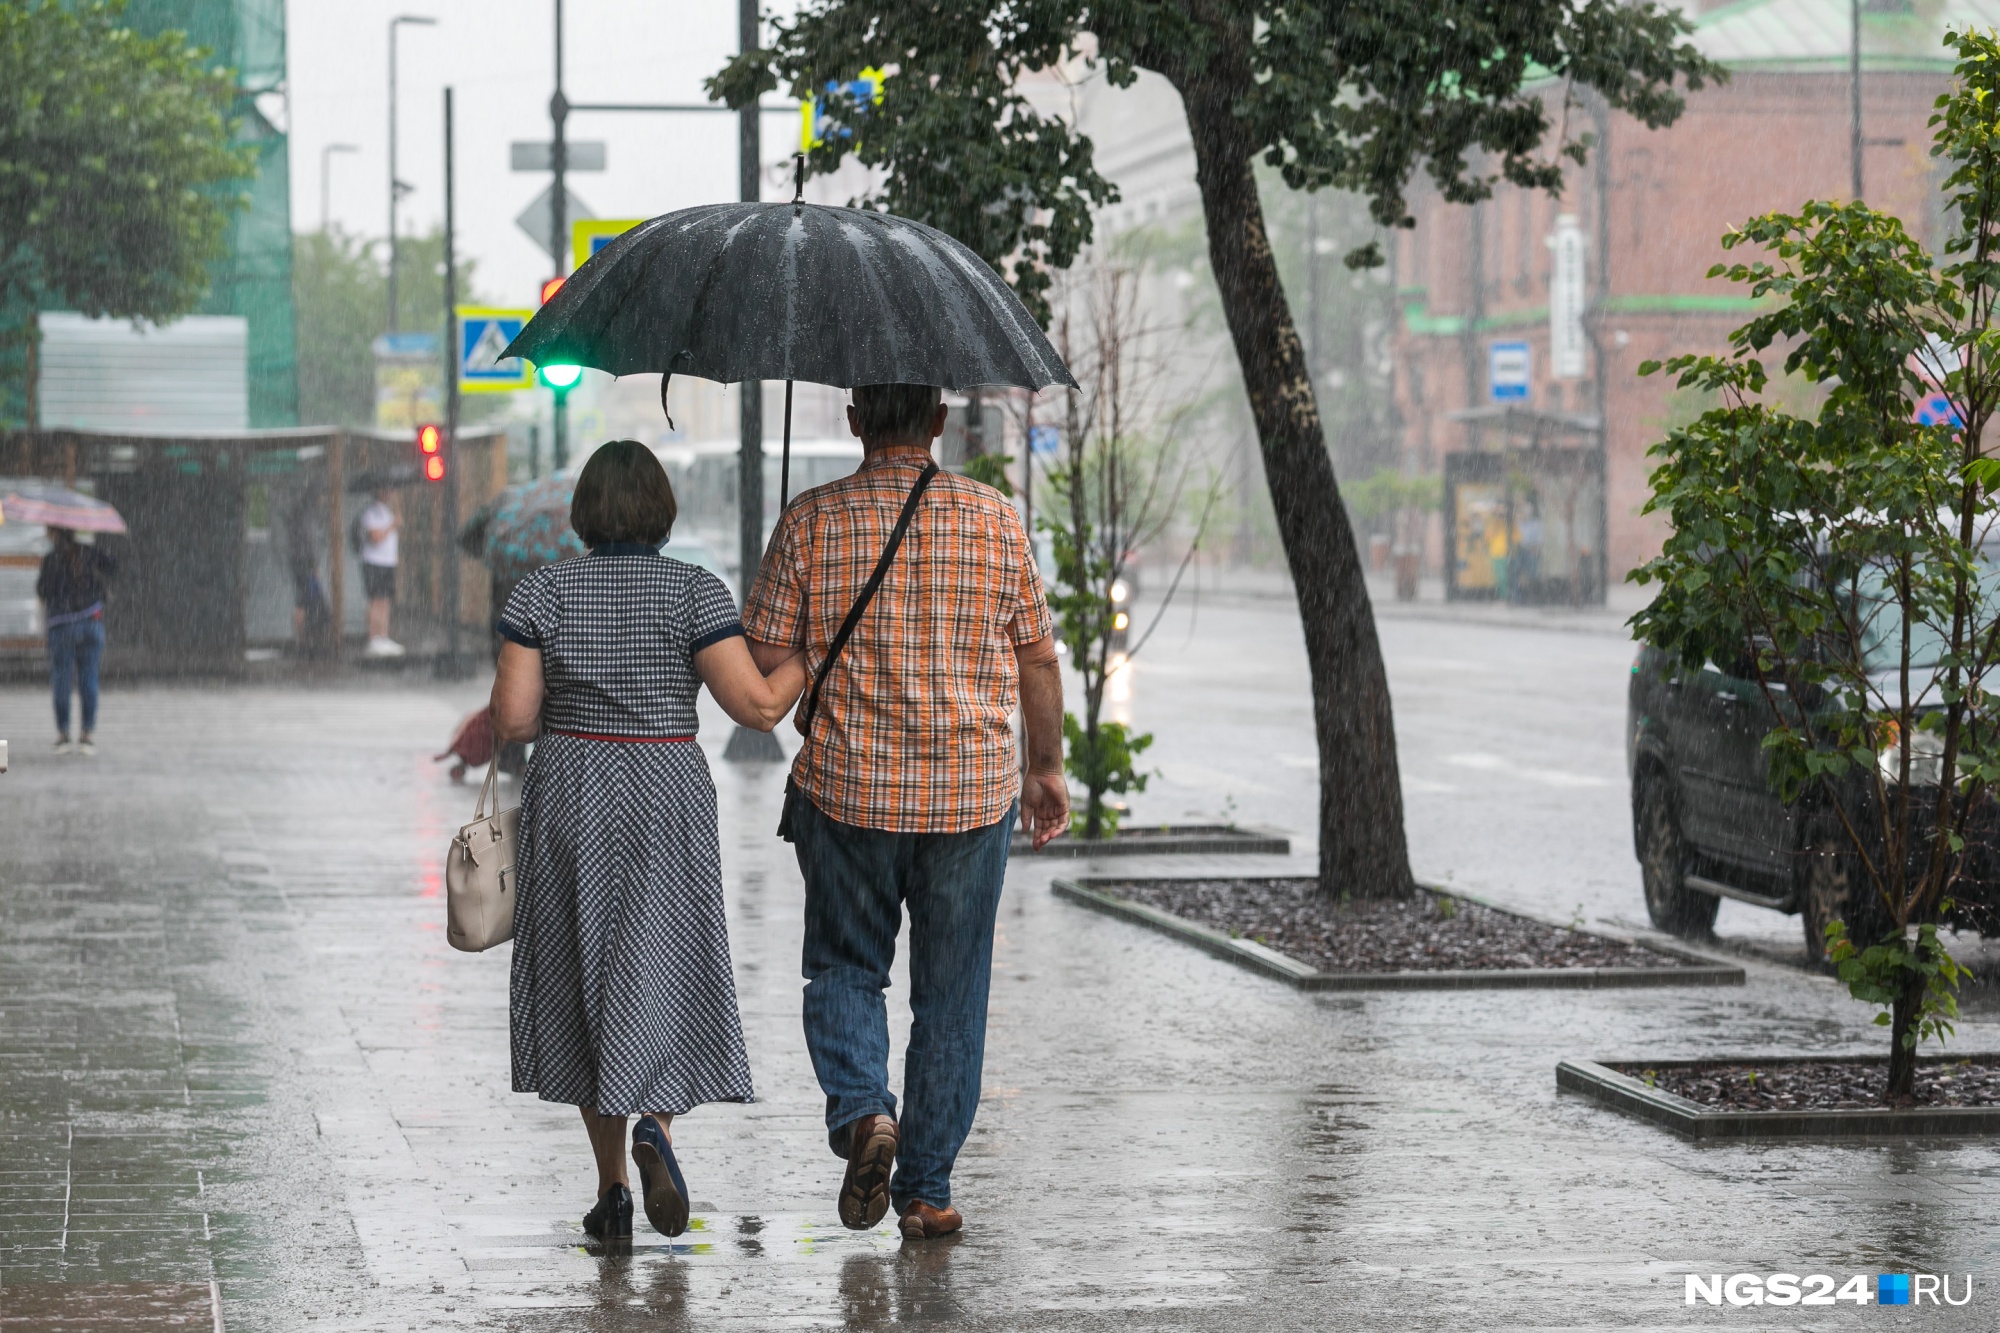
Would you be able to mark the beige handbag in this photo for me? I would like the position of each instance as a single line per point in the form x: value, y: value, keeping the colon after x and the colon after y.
x: 479, y: 873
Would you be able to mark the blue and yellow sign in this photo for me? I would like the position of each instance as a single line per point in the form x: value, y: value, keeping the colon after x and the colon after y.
x: 483, y: 334
x: 589, y: 235
x: 812, y: 114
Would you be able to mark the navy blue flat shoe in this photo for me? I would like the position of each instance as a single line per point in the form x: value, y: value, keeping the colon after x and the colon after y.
x: 660, y: 1183
x: 612, y: 1218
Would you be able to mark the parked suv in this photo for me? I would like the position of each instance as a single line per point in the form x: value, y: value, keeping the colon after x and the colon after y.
x: 1707, y: 826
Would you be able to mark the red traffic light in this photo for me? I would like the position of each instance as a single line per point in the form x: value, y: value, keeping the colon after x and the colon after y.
x: 550, y: 288
x: 429, y: 439
x: 434, y: 468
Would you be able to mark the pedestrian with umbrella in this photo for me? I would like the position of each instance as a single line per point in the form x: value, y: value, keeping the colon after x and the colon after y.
x: 71, y: 586
x: 920, y: 611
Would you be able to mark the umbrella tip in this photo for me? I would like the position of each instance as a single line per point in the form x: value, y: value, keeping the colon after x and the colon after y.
x: 798, y: 178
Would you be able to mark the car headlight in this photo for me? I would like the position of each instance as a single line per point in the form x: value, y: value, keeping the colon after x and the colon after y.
x: 1120, y: 592
x: 1926, y: 756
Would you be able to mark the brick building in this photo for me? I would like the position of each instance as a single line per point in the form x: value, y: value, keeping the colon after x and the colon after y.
x: 1545, y: 464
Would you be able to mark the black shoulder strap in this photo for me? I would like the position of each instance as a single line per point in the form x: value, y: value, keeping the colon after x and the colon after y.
x: 868, y: 592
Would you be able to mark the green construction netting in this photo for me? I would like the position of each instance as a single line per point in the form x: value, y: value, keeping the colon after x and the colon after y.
x: 255, y: 279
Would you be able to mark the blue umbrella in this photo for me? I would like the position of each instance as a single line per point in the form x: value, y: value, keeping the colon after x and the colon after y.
x: 524, y: 527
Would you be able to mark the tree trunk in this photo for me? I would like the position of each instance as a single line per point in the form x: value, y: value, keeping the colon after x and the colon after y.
x: 1362, y: 849
x: 1902, y: 1039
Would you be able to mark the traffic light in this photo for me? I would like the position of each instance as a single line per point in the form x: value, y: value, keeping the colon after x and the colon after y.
x: 559, y: 377
x: 430, y: 447
x: 550, y: 288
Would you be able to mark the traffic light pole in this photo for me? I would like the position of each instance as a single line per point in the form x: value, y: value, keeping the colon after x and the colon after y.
x: 451, y: 665
x: 559, y: 225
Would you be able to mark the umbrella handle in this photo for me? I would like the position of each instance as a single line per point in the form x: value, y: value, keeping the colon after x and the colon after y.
x: 785, y: 461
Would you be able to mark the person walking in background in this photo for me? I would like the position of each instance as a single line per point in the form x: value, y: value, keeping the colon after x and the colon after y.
x: 71, y: 587
x: 905, y: 791
x: 379, y: 552
x: 622, y: 999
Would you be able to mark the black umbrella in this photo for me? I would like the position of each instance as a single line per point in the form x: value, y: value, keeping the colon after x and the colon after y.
x: 797, y: 291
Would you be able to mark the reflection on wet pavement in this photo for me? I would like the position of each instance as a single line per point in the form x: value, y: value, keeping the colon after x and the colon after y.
x: 234, y: 1048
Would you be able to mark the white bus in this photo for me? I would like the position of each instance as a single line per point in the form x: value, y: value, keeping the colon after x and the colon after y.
x: 704, y: 477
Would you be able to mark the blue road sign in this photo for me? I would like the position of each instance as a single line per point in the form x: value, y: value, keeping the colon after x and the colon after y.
x: 482, y: 335
x: 1507, y: 371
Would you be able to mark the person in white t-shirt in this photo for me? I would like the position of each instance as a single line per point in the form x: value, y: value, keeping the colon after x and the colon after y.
x: 378, y: 572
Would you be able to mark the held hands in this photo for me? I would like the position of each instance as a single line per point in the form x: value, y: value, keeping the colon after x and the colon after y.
x: 1044, y: 806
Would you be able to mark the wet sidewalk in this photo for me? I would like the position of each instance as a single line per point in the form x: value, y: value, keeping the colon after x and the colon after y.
x: 243, y: 1079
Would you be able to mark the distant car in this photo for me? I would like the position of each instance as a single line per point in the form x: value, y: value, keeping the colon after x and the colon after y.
x: 1706, y: 824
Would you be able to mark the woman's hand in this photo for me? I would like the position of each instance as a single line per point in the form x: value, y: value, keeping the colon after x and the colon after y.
x: 517, y: 693
x: 747, y: 694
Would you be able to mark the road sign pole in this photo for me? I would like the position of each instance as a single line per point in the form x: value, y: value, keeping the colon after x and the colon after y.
x: 450, y: 666
x: 745, y: 744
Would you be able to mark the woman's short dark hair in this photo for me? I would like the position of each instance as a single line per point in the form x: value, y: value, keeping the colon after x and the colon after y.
x: 896, y: 411
x: 623, y: 495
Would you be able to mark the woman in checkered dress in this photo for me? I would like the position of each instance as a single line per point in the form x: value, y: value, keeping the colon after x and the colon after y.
x: 622, y: 998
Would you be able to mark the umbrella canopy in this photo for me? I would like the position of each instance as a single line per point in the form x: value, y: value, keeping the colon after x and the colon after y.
x: 797, y: 291
x: 59, y: 507
x: 524, y: 527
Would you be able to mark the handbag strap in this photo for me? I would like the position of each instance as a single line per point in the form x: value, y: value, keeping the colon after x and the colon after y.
x: 868, y: 592
x: 486, y: 788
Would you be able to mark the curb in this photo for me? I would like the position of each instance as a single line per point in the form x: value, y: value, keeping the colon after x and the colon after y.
x: 1271, y: 963
x: 1170, y: 840
x: 1624, y: 1093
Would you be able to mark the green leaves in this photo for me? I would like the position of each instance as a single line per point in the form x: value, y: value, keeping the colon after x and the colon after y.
x: 116, y: 174
x: 1832, y: 549
x: 1357, y: 97
x: 1103, y: 761
x: 1883, y: 973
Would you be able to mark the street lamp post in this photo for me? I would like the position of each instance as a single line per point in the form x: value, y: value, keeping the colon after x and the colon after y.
x: 451, y: 666
x: 396, y: 187
x: 326, y: 181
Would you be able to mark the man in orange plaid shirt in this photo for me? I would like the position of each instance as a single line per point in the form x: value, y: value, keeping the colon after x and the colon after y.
x: 906, y: 789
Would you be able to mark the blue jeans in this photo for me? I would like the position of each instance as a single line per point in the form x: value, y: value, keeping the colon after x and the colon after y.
x: 857, y: 882
x: 73, y: 653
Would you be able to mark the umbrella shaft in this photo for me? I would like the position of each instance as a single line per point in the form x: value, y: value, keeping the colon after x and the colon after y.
x: 785, y: 460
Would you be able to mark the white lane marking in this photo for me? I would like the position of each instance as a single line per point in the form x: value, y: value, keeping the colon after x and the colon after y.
x: 1548, y: 777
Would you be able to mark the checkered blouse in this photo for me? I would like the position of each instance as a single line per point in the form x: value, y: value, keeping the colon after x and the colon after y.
x: 913, y: 731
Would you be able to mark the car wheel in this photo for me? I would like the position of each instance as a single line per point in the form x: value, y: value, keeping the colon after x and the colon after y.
x: 1835, y: 889
x: 1673, y: 906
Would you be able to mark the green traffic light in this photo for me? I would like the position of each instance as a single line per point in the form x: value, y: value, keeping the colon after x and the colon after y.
x: 560, y: 377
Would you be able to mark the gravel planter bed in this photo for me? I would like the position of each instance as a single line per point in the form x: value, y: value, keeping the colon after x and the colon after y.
x: 1795, y: 1096
x: 1163, y: 839
x: 1820, y: 1085
x: 1435, y: 941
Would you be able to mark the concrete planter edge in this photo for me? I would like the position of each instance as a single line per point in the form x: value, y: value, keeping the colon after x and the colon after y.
x: 1180, y: 840
x: 1271, y: 963
x: 1622, y: 1092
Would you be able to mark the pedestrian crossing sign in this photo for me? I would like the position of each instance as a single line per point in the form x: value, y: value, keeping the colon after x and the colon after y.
x: 483, y: 334
x: 589, y: 235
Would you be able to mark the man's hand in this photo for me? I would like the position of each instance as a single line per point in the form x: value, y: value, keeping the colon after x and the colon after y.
x: 1044, y: 807
x: 1044, y: 793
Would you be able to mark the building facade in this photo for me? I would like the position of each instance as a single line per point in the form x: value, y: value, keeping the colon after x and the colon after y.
x: 1650, y: 208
